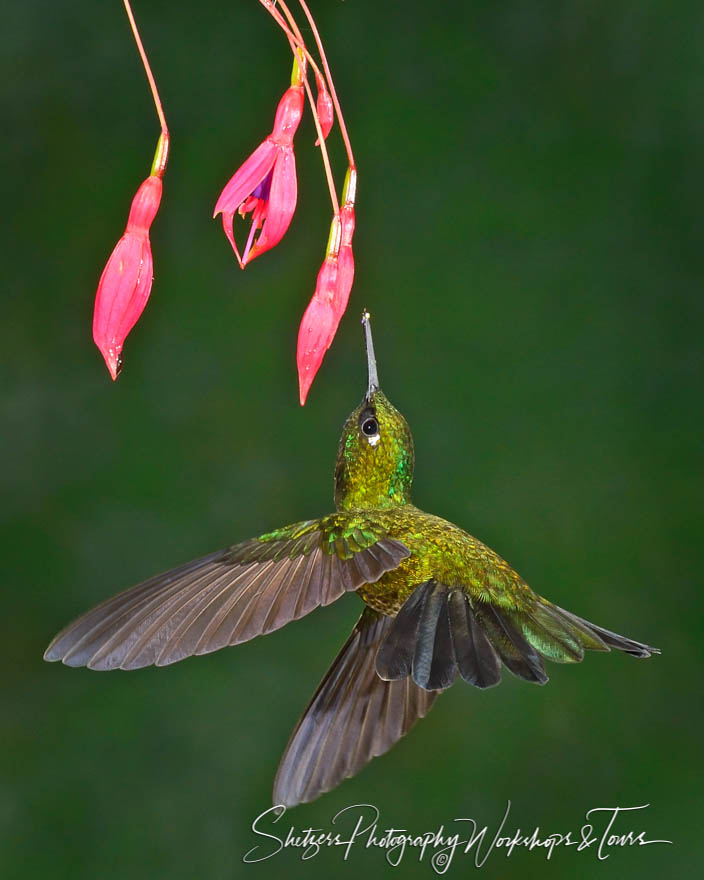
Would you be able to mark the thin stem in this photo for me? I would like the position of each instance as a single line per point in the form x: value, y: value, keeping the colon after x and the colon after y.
x: 292, y: 35
x: 297, y: 44
x: 323, y: 148
x: 291, y: 20
x: 148, y: 71
x: 331, y: 84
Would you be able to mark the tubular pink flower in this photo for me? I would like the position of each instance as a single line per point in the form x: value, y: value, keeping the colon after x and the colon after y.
x: 126, y: 282
x: 265, y: 184
x: 317, y: 328
x: 325, y: 310
x: 323, y: 107
x: 345, y: 263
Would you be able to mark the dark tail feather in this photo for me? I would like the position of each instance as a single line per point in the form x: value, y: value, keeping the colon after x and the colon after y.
x: 440, y: 633
x: 353, y: 716
x: 607, y: 638
x: 518, y: 655
x: 434, y: 663
x: 437, y: 635
x: 477, y: 661
x: 419, y: 642
x: 553, y: 636
x: 395, y: 657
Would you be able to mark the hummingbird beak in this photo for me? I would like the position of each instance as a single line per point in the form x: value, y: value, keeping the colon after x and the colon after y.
x: 373, y: 383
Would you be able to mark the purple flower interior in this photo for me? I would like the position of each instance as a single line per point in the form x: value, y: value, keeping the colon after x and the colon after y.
x: 262, y: 190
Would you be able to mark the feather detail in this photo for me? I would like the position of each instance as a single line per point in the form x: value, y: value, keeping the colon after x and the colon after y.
x: 438, y: 634
x: 353, y: 717
x: 223, y: 599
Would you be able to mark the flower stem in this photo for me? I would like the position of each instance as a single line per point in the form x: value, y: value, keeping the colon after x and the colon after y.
x: 331, y: 84
x: 163, y: 150
x: 271, y: 4
x: 298, y: 45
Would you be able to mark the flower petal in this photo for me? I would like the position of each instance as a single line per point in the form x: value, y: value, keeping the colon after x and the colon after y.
x: 345, y: 277
x: 345, y: 262
x: 145, y: 204
x: 120, y: 279
x: 228, y: 226
x: 323, y: 107
x: 318, y: 327
x: 282, y: 203
x: 247, y: 178
x: 312, y: 338
x: 288, y: 116
x: 140, y: 294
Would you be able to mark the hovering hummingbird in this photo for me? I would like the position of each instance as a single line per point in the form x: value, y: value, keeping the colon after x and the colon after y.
x: 439, y: 604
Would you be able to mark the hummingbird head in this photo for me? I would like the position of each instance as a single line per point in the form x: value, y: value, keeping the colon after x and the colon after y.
x: 375, y: 456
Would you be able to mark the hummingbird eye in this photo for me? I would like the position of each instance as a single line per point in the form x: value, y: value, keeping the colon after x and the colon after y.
x: 370, y: 429
x: 369, y: 425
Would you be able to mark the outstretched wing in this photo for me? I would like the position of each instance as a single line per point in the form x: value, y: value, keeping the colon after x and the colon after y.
x: 439, y: 633
x: 353, y: 717
x: 230, y: 596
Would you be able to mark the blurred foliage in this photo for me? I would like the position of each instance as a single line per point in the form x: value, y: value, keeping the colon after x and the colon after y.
x: 529, y: 242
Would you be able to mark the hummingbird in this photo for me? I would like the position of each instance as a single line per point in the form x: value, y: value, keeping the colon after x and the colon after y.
x: 439, y: 605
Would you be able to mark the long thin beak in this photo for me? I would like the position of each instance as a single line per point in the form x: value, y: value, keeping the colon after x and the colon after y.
x: 373, y: 384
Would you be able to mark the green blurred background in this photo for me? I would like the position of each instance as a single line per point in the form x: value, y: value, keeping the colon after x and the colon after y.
x: 529, y: 242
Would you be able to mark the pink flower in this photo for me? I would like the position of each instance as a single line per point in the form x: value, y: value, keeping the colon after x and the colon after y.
x: 265, y: 184
x: 318, y: 327
x: 323, y: 107
x: 325, y: 310
x: 126, y: 282
x: 345, y: 262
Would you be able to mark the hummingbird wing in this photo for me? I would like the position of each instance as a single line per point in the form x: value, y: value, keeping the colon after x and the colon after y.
x: 229, y: 596
x: 353, y: 716
x: 440, y: 633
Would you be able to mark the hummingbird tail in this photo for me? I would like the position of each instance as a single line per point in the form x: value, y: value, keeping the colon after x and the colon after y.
x: 353, y: 717
x: 609, y: 639
x: 439, y: 634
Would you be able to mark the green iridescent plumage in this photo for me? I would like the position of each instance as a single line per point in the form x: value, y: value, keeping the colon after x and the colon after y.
x: 440, y: 605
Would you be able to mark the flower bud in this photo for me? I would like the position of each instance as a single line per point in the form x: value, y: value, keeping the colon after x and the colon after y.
x: 323, y: 107
x: 126, y: 282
